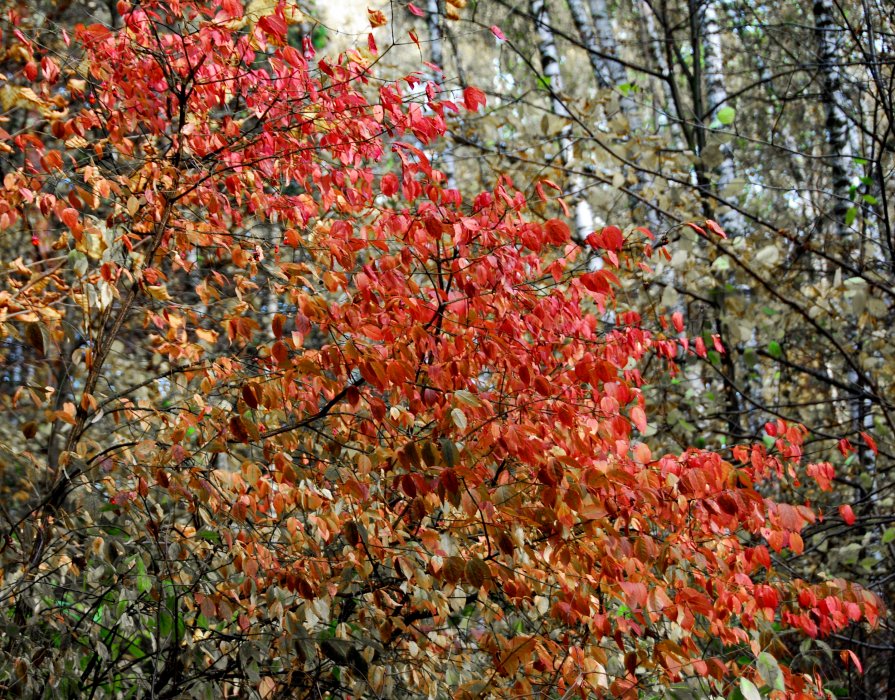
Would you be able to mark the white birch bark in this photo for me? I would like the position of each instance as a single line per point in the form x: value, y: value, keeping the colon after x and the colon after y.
x: 584, y: 218
x: 657, y: 56
x: 836, y: 122
x: 436, y: 56
x: 549, y: 56
x: 598, y: 42
x: 606, y: 44
x: 716, y: 95
x: 601, y: 71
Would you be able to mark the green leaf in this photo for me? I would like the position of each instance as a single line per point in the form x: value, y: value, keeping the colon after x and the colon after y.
x: 770, y: 671
x: 889, y: 535
x: 774, y: 349
x: 318, y: 37
x: 144, y: 584
x: 467, y: 398
x: 450, y: 452
x: 78, y: 261
x: 870, y: 199
x: 459, y: 418
x: 726, y: 115
x: 748, y: 689
x: 722, y: 263
x: 851, y: 215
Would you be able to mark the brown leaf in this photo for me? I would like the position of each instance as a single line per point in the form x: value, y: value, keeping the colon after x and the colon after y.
x: 238, y: 429
x: 477, y: 572
x: 34, y: 336
x: 453, y: 569
x: 351, y: 533
x: 250, y: 394
x: 505, y: 543
x: 277, y: 325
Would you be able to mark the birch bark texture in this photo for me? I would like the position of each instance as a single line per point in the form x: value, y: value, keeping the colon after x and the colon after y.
x: 596, y: 35
x: 825, y: 31
x: 716, y: 95
x: 550, y: 69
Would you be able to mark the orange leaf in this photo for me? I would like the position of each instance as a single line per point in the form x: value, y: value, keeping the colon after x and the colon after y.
x: 848, y: 515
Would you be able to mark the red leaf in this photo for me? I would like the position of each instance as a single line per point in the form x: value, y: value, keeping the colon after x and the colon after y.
x: 698, y: 229
x: 635, y: 594
x: 677, y: 320
x: 871, y: 443
x: 613, y: 238
x: 595, y: 282
x: 699, y: 344
x: 376, y: 17
x: 847, y: 654
x: 274, y: 25
x: 638, y: 418
x: 848, y: 515
x: 69, y: 217
x: 557, y: 231
x: 232, y: 9
x: 609, y: 238
x: 389, y: 185
x: 414, y: 10
x: 21, y: 37
x: 716, y: 341
x: 49, y: 68
x: 495, y: 30
x: 715, y: 228
x: 473, y: 98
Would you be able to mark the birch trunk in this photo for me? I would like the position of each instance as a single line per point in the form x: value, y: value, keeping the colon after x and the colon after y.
x: 436, y: 56
x: 836, y: 123
x: 599, y: 42
x: 606, y: 43
x: 584, y: 218
x: 601, y: 70
x: 653, y: 45
x: 716, y: 97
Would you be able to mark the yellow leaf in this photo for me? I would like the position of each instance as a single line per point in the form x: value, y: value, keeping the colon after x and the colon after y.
x: 158, y: 292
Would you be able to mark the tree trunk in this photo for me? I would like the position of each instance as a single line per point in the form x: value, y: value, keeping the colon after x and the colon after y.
x: 652, y: 44
x: 716, y: 97
x: 601, y: 70
x: 436, y: 56
x: 584, y: 218
x: 600, y: 42
x: 836, y: 123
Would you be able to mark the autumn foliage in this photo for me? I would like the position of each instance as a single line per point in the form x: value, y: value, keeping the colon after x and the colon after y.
x: 391, y: 442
